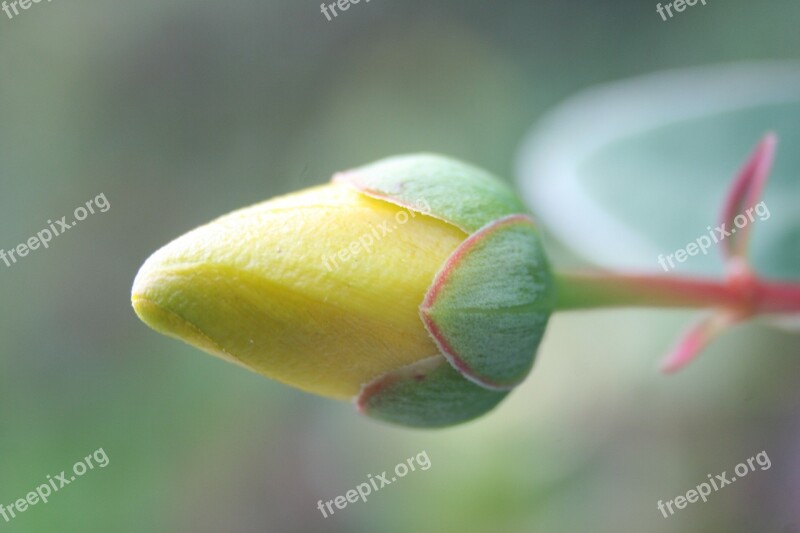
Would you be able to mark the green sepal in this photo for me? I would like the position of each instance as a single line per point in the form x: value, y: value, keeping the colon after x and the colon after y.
x: 444, y: 188
x: 489, y: 305
x: 427, y: 394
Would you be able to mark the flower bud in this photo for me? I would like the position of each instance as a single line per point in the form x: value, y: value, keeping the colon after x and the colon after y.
x: 415, y: 285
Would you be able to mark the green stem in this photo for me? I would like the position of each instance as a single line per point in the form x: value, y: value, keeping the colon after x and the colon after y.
x: 751, y: 295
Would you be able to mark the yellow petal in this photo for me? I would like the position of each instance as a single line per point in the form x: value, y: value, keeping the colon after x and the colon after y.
x: 271, y: 287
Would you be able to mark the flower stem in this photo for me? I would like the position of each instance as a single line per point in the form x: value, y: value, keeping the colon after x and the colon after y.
x: 741, y: 296
x: 747, y: 294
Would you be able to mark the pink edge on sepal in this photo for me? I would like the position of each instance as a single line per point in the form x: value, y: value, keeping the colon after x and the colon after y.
x: 345, y: 178
x: 439, y: 282
x: 371, y: 389
x: 375, y: 387
x: 698, y: 337
x: 746, y: 192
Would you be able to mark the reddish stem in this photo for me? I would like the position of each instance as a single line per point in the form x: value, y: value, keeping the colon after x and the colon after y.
x: 747, y: 294
x: 741, y: 296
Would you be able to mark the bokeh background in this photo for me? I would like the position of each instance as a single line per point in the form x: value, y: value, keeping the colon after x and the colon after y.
x: 184, y: 110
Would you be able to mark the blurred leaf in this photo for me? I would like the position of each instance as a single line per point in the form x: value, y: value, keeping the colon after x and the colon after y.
x: 639, y: 168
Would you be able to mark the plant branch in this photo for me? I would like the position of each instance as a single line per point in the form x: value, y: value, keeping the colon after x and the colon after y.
x: 749, y: 295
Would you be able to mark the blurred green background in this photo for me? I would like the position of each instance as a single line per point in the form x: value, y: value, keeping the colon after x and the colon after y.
x: 181, y: 111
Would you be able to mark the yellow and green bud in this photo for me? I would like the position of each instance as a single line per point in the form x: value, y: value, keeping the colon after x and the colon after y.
x: 416, y: 286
